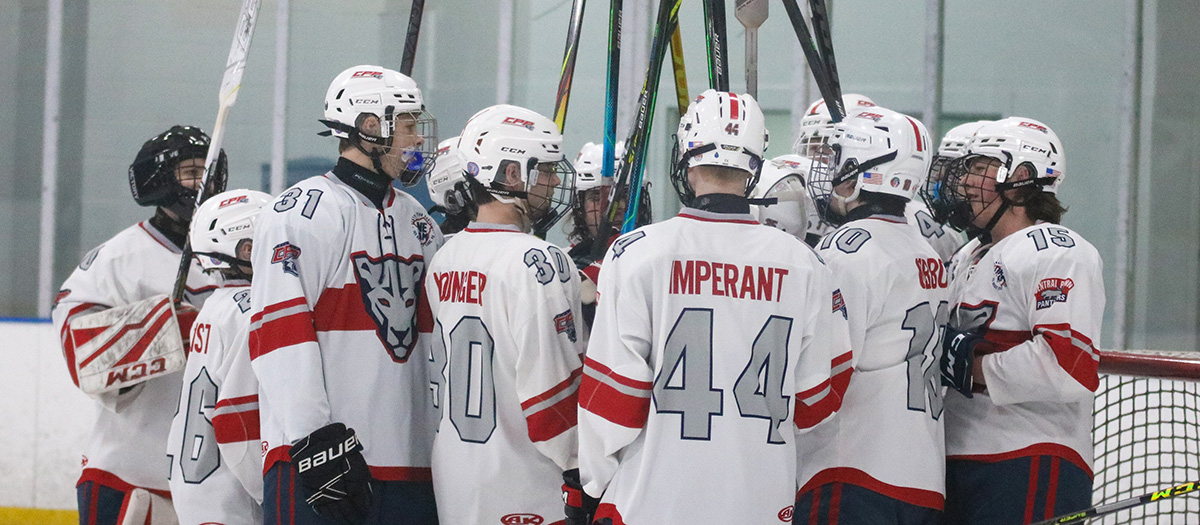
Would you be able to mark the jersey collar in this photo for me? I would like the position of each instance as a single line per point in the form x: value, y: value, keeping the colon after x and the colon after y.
x: 490, y: 227
x: 375, y: 187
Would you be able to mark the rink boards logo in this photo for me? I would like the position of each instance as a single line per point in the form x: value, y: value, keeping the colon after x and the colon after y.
x: 522, y: 519
x: 1052, y: 290
x: 785, y: 515
x: 423, y: 228
x: 389, y: 289
x: 564, y: 323
x: 285, y: 255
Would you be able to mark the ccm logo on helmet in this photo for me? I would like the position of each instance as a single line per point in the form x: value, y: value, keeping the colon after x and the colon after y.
x: 515, y: 151
x: 375, y: 74
x: 522, y: 519
x: 514, y: 121
x: 1038, y: 127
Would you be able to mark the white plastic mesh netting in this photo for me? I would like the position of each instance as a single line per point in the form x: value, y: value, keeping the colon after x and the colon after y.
x: 1147, y: 437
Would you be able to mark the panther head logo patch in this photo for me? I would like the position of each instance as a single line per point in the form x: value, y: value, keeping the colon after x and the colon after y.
x: 390, y: 288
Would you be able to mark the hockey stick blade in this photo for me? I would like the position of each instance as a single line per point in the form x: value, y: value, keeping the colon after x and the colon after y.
x: 410, y: 39
x: 1103, y: 510
x: 752, y: 14
x: 567, y: 74
x: 231, y: 84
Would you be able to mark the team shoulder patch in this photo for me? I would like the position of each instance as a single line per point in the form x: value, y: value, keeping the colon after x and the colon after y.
x: 89, y: 258
x: 286, y: 254
x: 839, y: 304
x: 1052, y: 290
x: 998, y: 281
x: 564, y: 323
x: 423, y: 227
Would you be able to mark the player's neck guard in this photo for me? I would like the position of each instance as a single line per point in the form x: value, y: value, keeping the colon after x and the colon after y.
x: 173, y: 229
x: 721, y: 203
x: 374, y: 186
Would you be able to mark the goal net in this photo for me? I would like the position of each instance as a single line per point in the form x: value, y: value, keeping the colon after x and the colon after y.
x: 1147, y: 434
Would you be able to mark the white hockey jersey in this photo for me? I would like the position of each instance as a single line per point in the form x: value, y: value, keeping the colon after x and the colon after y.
x: 715, y: 340
x: 216, y: 464
x: 1038, y: 294
x: 138, y: 263
x: 505, y: 375
x: 896, y: 292
x: 945, y: 241
x: 337, y: 303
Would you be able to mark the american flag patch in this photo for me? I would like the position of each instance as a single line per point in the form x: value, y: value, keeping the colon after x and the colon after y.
x: 564, y: 323
x: 872, y: 178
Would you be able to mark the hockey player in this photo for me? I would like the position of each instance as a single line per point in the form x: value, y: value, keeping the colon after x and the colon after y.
x: 779, y: 199
x: 507, y: 351
x: 816, y: 126
x: 122, y: 464
x: 337, y: 305
x: 929, y: 219
x: 896, y: 287
x: 953, y: 146
x: 216, y: 465
x: 441, y: 174
x: 713, y: 342
x: 1028, y: 298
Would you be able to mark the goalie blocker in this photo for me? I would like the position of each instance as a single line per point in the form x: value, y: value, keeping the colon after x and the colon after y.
x: 127, y: 345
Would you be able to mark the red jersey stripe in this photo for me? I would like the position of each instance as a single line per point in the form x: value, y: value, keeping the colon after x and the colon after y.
x: 553, y: 391
x: 606, y: 371
x: 611, y: 404
x: 236, y: 427
x: 278, y: 333
x: 299, y: 301
x: 253, y: 398
x: 548, y: 423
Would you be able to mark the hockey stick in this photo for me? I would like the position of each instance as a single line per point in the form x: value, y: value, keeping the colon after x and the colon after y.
x: 824, y: 41
x: 815, y: 63
x: 635, y: 158
x: 231, y: 83
x: 410, y: 40
x: 677, y: 67
x: 714, y: 32
x: 1102, y: 510
x: 568, y: 66
x: 752, y: 14
x: 600, y: 244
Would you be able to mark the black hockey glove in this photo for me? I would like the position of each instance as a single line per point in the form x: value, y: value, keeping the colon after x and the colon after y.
x: 958, y: 354
x: 579, y: 507
x: 333, y: 474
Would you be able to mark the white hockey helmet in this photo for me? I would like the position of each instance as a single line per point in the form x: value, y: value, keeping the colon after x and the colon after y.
x: 443, y: 175
x: 783, y: 179
x: 1017, y: 141
x: 953, y: 146
x: 589, y: 164
x: 886, y: 151
x: 503, y: 134
x: 221, y: 223
x: 817, y: 125
x: 719, y: 129
x: 386, y: 94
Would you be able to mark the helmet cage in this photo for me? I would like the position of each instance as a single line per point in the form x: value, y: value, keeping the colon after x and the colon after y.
x: 545, y: 211
x: 414, y: 158
x: 823, y: 177
x: 679, y: 177
x: 152, y: 176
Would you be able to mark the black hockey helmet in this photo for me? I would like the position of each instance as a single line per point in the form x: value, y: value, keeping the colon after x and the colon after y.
x: 152, y: 178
